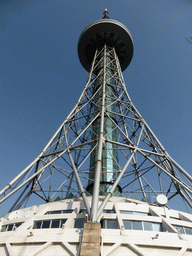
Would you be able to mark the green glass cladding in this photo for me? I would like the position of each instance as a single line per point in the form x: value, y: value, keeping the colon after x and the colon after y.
x: 110, y: 151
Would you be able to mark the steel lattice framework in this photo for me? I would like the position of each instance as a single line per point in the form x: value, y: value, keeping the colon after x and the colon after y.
x: 104, y: 147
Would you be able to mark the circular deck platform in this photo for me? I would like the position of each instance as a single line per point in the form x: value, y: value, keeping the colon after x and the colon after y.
x: 109, y: 32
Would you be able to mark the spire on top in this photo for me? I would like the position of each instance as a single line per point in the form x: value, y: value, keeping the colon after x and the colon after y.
x: 105, y: 14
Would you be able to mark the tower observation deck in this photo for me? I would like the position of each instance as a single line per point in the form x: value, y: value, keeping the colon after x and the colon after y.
x: 104, y: 178
x: 105, y: 32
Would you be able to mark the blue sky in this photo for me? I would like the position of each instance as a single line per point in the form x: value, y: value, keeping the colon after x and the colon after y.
x: 41, y: 77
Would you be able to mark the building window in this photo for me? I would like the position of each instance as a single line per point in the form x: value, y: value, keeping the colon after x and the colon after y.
x: 126, y: 212
x: 55, y: 224
x: 109, y: 224
x: 188, y: 231
x: 37, y: 224
x: 10, y: 227
x: 134, y: 213
x: 135, y: 225
x: 46, y: 224
x: 49, y: 224
x: 79, y: 223
x: 59, y: 211
x: 180, y: 229
x: 142, y: 225
x: 157, y: 227
x: 184, y: 230
x: 127, y: 224
x: 148, y: 226
x: 142, y: 213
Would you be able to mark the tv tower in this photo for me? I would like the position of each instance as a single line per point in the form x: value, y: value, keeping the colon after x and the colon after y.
x: 103, y: 164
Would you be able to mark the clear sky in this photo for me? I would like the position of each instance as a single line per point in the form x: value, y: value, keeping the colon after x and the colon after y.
x: 41, y: 77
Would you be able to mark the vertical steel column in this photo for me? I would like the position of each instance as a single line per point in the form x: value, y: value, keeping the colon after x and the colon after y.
x: 95, y: 197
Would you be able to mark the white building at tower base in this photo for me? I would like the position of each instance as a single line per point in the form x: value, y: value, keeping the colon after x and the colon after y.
x: 128, y: 227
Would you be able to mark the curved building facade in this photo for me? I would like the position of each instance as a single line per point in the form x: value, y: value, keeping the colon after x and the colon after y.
x: 128, y: 227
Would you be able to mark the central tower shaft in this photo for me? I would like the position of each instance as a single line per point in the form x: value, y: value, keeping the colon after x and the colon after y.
x: 104, y: 126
